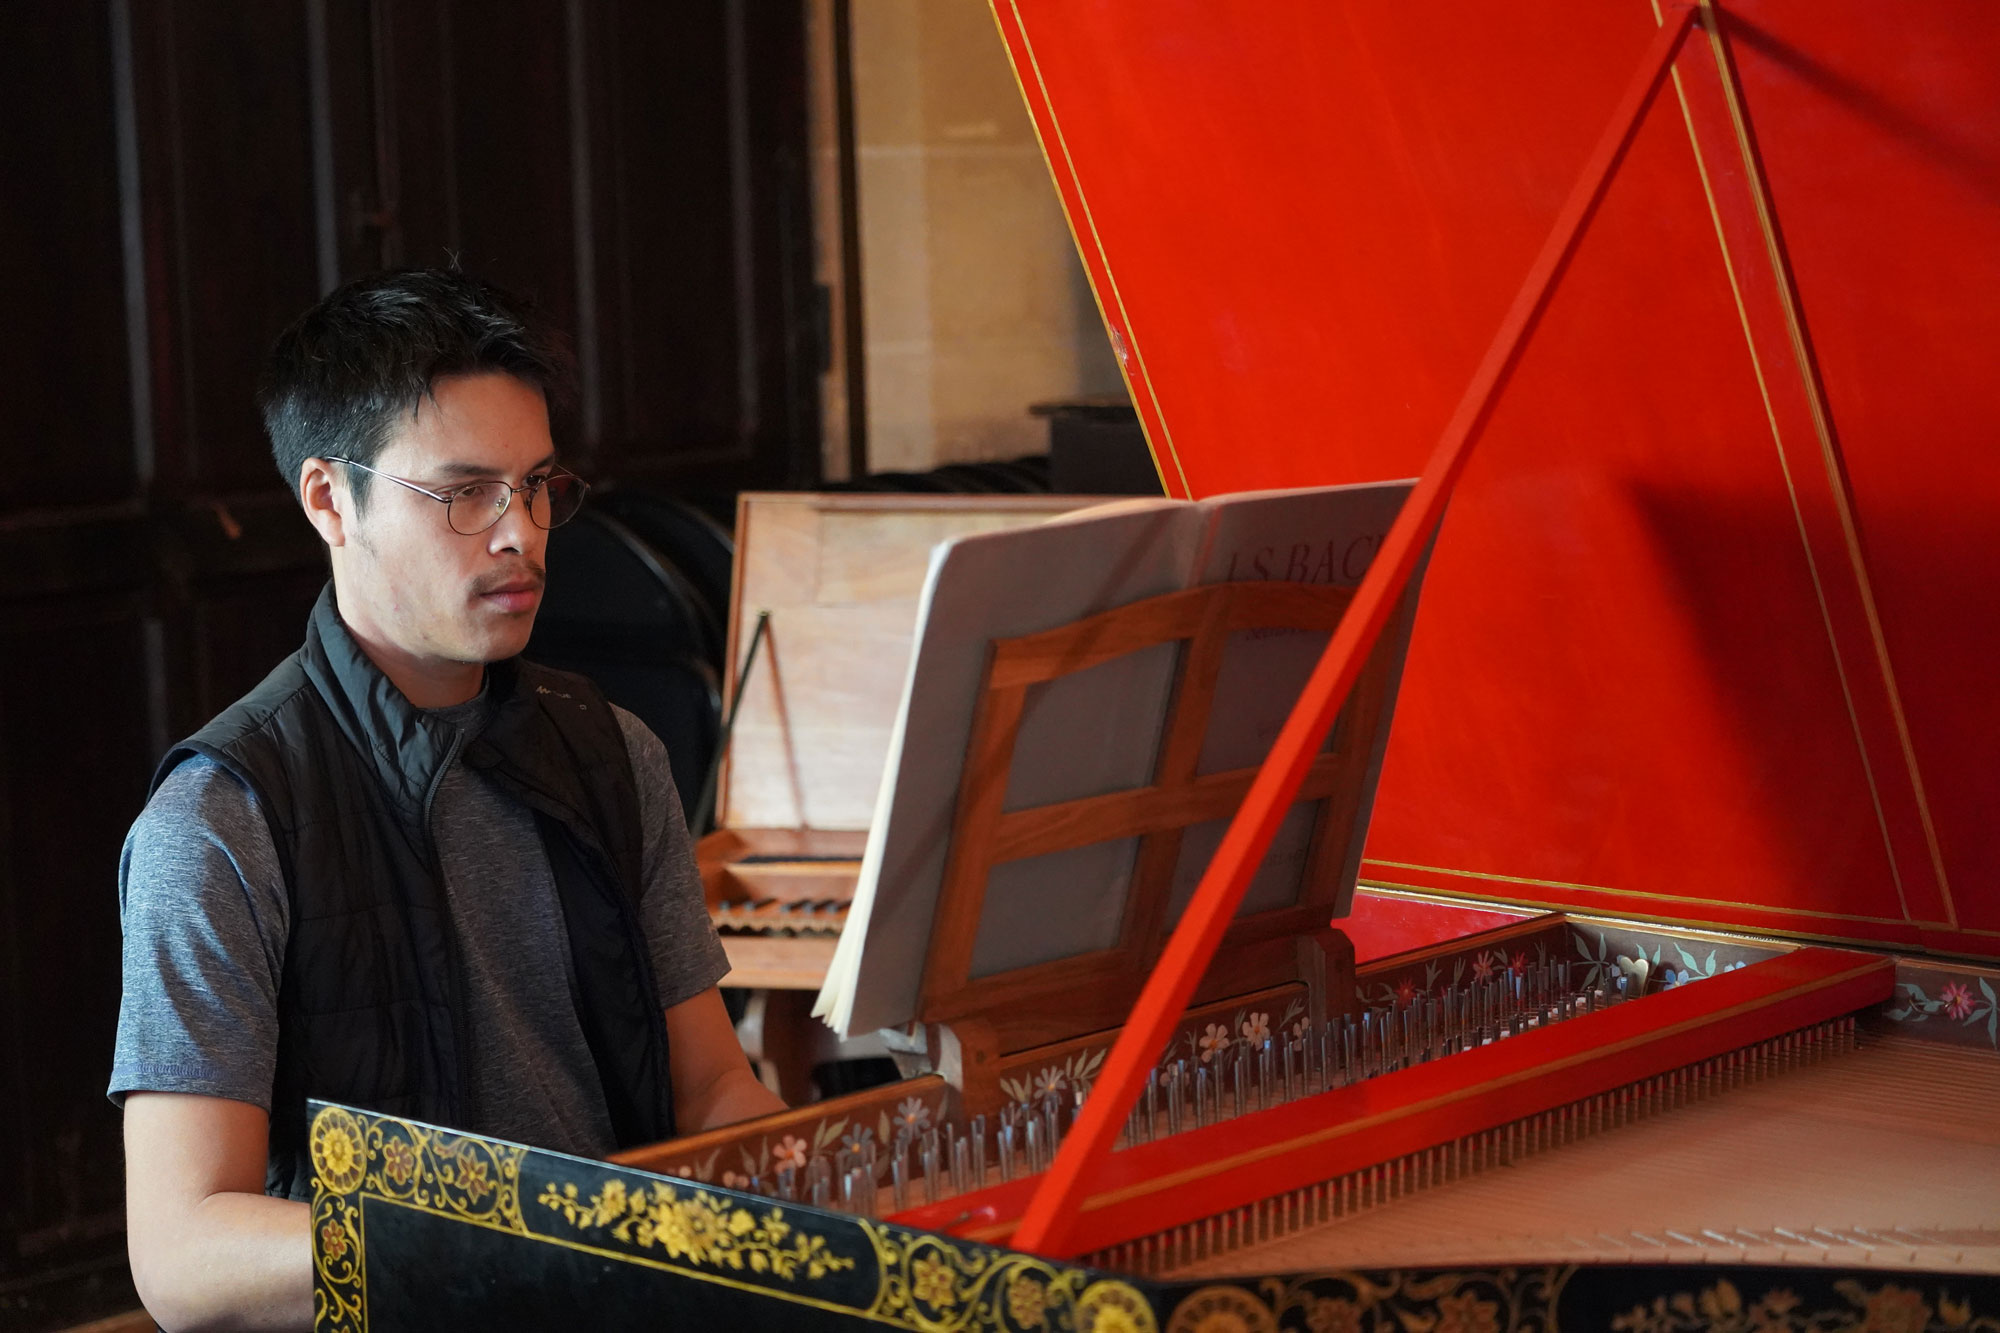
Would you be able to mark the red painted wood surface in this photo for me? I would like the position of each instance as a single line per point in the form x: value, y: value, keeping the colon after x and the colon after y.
x: 1050, y: 1222
x: 1708, y: 633
x: 1206, y: 1172
x: 1382, y: 925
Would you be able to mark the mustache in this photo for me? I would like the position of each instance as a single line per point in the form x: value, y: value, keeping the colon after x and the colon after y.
x: 528, y: 572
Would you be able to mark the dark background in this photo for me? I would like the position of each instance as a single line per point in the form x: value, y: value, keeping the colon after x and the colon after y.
x: 181, y: 178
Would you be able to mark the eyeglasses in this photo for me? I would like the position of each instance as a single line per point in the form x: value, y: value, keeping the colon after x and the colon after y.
x: 553, y: 498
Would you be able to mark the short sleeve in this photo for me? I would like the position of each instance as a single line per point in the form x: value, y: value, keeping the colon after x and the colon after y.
x: 204, y: 914
x: 687, y: 955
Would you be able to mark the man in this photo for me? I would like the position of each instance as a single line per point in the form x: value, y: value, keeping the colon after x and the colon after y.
x: 408, y: 870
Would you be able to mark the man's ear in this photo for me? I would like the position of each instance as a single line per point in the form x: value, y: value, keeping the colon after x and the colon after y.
x: 328, y: 504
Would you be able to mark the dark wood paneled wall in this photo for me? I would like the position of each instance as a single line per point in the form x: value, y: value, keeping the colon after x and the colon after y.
x: 181, y: 177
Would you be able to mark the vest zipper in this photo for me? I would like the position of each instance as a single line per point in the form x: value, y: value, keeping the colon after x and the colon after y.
x: 578, y: 829
x: 454, y: 963
x: 656, y: 1017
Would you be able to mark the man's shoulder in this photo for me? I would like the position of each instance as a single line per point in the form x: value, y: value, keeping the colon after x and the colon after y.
x: 252, y: 715
x: 640, y: 741
x: 199, y: 811
x: 577, y: 704
x: 199, y: 793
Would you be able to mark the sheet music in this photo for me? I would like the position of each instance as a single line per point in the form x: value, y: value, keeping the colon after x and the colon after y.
x: 1088, y: 734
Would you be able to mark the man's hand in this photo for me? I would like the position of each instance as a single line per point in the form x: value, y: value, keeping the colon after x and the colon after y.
x: 713, y: 1084
x: 208, y: 1249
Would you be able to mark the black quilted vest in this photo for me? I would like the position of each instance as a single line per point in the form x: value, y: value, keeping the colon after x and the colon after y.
x: 345, y: 769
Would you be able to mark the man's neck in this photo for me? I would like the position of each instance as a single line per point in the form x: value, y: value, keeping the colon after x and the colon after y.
x: 427, y: 682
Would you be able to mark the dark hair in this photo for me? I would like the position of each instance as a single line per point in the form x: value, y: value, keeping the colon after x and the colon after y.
x: 339, y: 377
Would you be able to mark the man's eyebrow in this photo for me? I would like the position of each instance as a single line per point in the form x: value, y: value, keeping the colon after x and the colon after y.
x: 481, y: 472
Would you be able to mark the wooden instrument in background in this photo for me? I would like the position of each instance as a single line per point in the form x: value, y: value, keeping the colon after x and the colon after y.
x: 834, y: 580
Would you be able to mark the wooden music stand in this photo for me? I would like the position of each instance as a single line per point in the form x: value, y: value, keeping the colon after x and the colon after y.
x: 975, y: 1019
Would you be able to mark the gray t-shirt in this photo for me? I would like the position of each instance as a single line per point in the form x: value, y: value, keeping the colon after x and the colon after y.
x: 206, y: 918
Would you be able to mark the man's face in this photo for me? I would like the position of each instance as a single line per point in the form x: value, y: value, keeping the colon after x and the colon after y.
x: 406, y: 581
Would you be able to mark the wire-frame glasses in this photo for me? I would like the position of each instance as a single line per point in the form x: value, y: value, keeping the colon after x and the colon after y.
x: 553, y: 498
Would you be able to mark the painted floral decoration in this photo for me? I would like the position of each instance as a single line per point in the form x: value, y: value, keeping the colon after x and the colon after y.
x: 1895, y: 1310
x: 399, y: 1161
x: 1222, y: 1321
x: 1967, y: 1001
x: 472, y: 1175
x: 1114, y: 1320
x: 1076, y: 1072
x: 1720, y: 1308
x: 1214, y: 1041
x: 912, y: 1115
x: 1027, y: 1302
x: 1769, y: 1315
x: 1330, y: 1314
x: 698, y: 1228
x: 1257, y: 1029
x: 339, y: 1157
x: 1466, y: 1313
x: 931, y: 1284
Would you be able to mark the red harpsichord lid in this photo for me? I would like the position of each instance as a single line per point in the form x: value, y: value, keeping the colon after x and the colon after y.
x: 1712, y: 629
